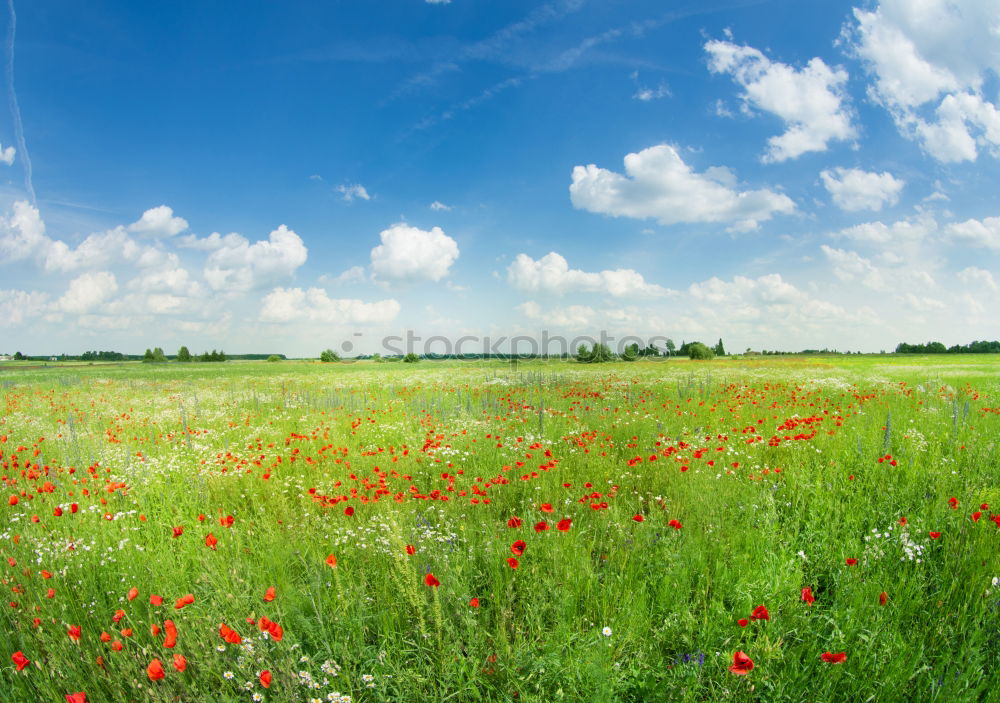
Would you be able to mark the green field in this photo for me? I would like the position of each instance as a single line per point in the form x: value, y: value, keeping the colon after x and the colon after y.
x: 477, y: 532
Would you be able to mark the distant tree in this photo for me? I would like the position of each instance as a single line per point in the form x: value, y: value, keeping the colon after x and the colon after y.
x: 698, y: 351
x: 329, y: 355
x: 183, y: 354
x: 582, y: 355
x: 670, y: 346
x: 650, y: 350
x: 148, y: 356
x: 273, y: 358
x: 158, y: 355
x: 377, y: 358
x: 18, y: 356
x: 631, y: 352
x: 719, y: 349
x: 411, y: 358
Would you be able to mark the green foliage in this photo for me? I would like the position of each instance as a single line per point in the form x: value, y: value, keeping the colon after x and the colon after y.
x: 213, y: 356
x: 377, y: 358
x: 411, y: 358
x: 329, y: 356
x: 719, y: 349
x: 699, y: 352
x: 598, y: 354
x: 273, y: 358
x: 631, y: 352
x: 183, y: 354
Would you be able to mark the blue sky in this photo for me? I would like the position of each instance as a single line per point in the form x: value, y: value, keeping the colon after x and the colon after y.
x: 776, y: 173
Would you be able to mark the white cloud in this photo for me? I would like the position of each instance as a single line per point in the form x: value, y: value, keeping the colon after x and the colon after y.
x: 930, y: 61
x: 810, y: 100
x: 240, y: 266
x: 438, y: 205
x: 410, y: 254
x: 355, y: 274
x: 983, y: 233
x: 7, y: 155
x: 20, y: 306
x: 314, y: 305
x: 570, y: 316
x: 159, y: 222
x: 851, y: 266
x: 87, y: 292
x: 910, y: 231
x: 437, y: 2
x: 211, y: 242
x: 854, y: 189
x: 657, y: 183
x: 920, y: 303
x: 175, y: 281
x: 552, y: 274
x: 22, y: 234
x: 978, y: 278
x: 648, y: 94
x: 350, y: 192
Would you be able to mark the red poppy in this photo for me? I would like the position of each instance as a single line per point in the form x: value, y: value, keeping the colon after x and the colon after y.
x: 742, y: 622
x: 119, y: 614
x: 514, y: 522
x: 265, y: 678
x: 953, y: 502
x: 133, y: 593
x: 850, y: 561
x: 976, y: 515
x: 116, y: 645
x: 154, y: 629
x: 564, y: 525
x: 211, y: 541
x: 178, y: 531
x: 105, y: 637
x: 638, y: 518
x: 742, y: 664
x: 180, y: 662
x: 676, y: 524
x: 541, y: 526
x: 331, y: 561
x: 156, y: 600
x: 882, y: 598
x: 348, y: 511
x: 546, y: 507
x: 269, y: 595
x: 807, y: 596
x: 431, y: 581
x: 20, y: 661
x: 831, y: 658
x: 934, y: 535
x: 411, y: 550
x: 518, y: 547
x: 184, y: 600
x: 512, y: 562
x: 474, y: 603
x: 170, y: 639
x: 74, y: 632
x: 902, y: 520
x: 760, y: 613
x: 155, y: 670
x: 76, y: 697
x: 229, y: 634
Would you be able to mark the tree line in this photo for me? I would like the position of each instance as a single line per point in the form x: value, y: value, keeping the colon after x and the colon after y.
x: 982, y: 347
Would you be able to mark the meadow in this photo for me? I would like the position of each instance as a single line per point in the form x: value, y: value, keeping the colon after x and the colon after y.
x: 788, y: 529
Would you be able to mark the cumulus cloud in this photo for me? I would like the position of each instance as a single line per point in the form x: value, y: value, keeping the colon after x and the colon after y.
x: 929, y: 62
x: 350, y: 192
x: 983, y: 233
x: 240, y: 266
x: 978, y: 278
x: 552, y: 274
x: 410, y: 254
x: 7, y: 154
x: 314, y: 305
x: 570, y: 316
x: 211, y: 242
x: 851, y: 266
x: 658, y: 184
x: 909, y: 231
x: 158, y: 222
x: 88, y: 291
x: 176, y: 281
x: 811, y: 101
x: 22, y: 233
x: 854, y: 189
x: 20, y: 306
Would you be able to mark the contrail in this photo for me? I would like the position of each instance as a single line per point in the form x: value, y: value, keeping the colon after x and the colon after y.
x: 22, y: 148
